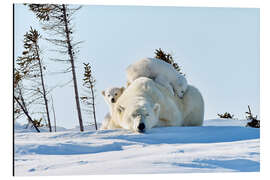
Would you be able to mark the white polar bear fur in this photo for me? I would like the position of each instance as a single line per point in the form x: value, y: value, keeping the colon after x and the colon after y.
x: 160, y: 71
x: 148, y: 102
x: 107, y: 123
x: 110, y: 96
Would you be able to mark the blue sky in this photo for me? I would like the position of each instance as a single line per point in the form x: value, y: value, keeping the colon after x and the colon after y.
x: 218, y: 49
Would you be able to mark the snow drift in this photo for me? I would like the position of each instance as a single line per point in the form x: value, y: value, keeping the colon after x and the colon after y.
x: 218, y: 146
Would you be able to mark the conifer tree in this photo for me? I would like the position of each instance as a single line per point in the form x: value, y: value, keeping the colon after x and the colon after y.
x: 167, y: 57
x: 18, y: 91
x: 17, y: 109
x: 57, y: 20
x: 226, y: 115
x: 31, y: 66
x: 254, y: 122
x: 19, y: 102
x: 89, y: 98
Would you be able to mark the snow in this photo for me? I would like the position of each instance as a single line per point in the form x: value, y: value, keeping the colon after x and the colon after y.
x: 220, y: 145
x: 23, y: 128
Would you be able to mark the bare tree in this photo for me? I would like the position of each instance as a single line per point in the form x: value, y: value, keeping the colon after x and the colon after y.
x: 89, y: 98
x: 57, y: 20
x: 30, y: 64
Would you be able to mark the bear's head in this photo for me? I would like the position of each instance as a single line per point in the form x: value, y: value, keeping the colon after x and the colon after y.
x: 138, y: 116
x: 112, y: 94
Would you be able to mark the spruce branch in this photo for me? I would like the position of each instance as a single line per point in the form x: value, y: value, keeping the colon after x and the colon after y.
x: 167, y: 57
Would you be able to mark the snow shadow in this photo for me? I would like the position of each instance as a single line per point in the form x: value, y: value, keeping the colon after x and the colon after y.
x: 68, y: 149
x: 203, y: 134
x: 240, y: 165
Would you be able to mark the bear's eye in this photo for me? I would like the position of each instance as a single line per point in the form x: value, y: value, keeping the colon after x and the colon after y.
x: 115, y: 94
x: 146, y: 114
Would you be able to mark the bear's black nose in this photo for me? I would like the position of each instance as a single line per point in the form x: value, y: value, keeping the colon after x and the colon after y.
x: 141, y: 127
x: 113, y: 100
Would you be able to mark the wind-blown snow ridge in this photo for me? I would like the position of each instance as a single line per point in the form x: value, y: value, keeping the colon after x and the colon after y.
x: 218, y: 146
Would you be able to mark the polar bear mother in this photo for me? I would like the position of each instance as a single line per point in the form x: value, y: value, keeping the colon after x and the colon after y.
x: 146, y: 104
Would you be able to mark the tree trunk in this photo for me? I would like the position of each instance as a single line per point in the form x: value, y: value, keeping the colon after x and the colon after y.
x: 43, y: 89
x: 54, y: 116
x: 93, y: 105
x: 70, y: 52
x: 26, y: 113
x: 24, y: 105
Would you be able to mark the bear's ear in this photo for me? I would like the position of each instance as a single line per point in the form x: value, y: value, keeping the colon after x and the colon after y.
x: 122, y: 89
x: 103, y: 93
x: 156, y: 109
x: 120, y: 109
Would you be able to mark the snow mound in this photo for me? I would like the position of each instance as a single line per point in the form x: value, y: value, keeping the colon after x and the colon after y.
x: 24, y: 128
x: 218, y: 146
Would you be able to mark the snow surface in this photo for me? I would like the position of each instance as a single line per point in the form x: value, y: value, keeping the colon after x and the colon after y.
x: 218, y: 146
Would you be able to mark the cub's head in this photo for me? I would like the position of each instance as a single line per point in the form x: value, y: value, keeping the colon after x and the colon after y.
x: 180, y: 92
x: 112, y: 94
x: 182, y: 85
x: 138, y: 116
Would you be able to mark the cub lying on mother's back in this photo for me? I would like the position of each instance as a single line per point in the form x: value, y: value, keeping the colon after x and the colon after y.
x: 161, y: 72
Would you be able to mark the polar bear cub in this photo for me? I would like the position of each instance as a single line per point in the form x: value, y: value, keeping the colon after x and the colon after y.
x: 110, y: 95
x: 161, y: 72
